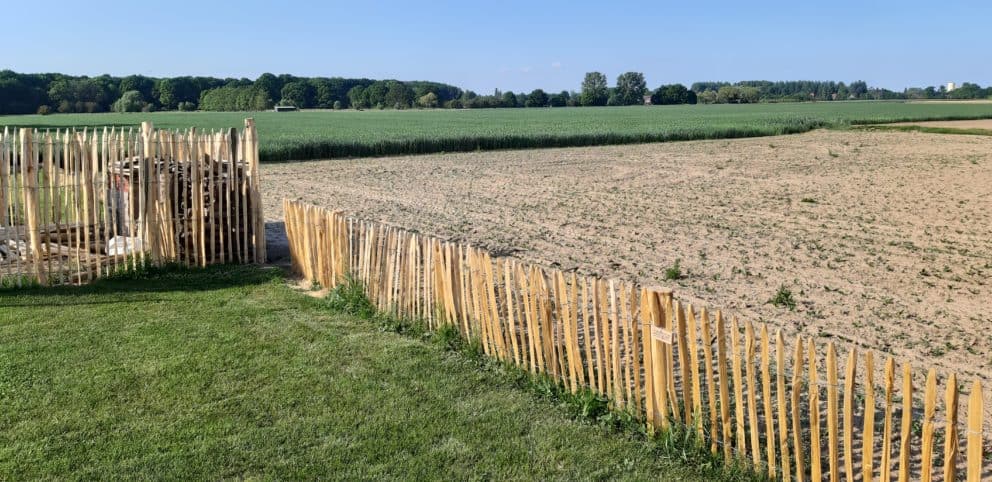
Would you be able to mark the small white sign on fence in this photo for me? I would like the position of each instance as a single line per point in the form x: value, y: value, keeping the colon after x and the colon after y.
x: 662, y: 335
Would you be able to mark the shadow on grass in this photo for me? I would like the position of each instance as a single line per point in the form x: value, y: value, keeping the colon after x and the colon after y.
x: 276, y: 243
x: 165, y: 279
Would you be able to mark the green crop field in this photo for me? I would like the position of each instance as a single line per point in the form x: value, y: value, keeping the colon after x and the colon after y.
x: 334, y: 134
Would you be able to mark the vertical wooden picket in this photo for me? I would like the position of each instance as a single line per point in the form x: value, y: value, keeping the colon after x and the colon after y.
x: 766, y: 397
x: 683, y: 358
x: 816, y: 472
x: 832, y: 413
x: 974, y: 436
x: 868, y: 429
x: 849, y: 380
x: 798, y: 368
x: 753, y: 427
x: 627, y: 305
x: 783, y: 423
x: 659, y: 361
x: 251, y: 159
x: 32, y: 208
x: 697, y: 402
x: 647, y: 323
x: 668, y: 350
x: 735, y: 358
x: 721, y: 346
x: 907, y: 422
x: 711, y: 389
x: 929, y: 410
x: 951, y: 429
x: 615, y: 344
x: 886, y: 467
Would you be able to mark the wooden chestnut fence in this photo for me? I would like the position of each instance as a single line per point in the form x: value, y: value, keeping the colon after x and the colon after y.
x: 794, y: 409
x: 80, y: 204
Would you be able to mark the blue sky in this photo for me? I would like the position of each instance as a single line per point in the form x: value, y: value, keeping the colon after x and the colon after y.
x: 511, y: 45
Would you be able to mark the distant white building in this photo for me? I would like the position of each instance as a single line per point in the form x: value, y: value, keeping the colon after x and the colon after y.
x: 951, y: 86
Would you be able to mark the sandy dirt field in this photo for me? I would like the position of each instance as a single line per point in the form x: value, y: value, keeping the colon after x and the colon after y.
x: 884, y: 238
x: 962, y: 124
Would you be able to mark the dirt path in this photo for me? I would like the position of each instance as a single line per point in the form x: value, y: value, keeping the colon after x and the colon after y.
x: 884, y: 238
x: 985, y: 124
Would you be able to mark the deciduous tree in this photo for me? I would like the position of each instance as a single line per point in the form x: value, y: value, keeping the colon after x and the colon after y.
x: 594, y: 89
x: 631, y: 88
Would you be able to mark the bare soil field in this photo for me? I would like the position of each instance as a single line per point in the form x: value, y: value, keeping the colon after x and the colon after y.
x: 884, y: 238
x: 962, y: 124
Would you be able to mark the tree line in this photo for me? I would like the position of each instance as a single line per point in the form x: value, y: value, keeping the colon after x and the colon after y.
x: 50, y: 93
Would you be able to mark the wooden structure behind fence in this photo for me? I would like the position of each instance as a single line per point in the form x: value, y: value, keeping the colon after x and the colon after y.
x: 75, y: 205
x: 792, y: 408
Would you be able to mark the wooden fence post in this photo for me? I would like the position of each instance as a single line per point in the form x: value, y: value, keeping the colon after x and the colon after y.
x: 868, y: 429
x: 257, y: 219
x: 833, y: 440
x: 815, y: 454
x: 783, y: 424
x: 849, y: 381
x: 797, y: 433
x: 659, y: 361
x: 29, y: 168
x: 907, y: 422
x: 724, y: 382
x: 975, y: 432
x: 929, y: 409
x: 951, y: 429
x: 149, y: 223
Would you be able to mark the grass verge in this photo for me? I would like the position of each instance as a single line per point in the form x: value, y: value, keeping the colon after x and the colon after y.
x: 228, y: 373
x: 679, y: 444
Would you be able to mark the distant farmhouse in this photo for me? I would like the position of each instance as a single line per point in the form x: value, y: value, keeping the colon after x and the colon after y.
x: 951, y: 86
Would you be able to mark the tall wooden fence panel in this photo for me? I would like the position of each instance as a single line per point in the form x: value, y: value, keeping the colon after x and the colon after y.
x: 794, y: 409
x: 76, y: 205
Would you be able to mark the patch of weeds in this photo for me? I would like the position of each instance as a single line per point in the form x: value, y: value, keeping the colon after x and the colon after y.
x: 448, y: 338
x: 588, y: 405
x: 783, y: 298
x: 349, y: 297
x: 19, y: 282
x: 808, y: 200
x: 674, y: 272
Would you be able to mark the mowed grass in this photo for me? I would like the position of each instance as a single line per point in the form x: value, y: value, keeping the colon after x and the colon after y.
x: 228, y: 373
x: 336, y: 134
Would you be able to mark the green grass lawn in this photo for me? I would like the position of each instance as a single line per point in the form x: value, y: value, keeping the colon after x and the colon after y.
x: 229, y: 373
x: 332, y: 134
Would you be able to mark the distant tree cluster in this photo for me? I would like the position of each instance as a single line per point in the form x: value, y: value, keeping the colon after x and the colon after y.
x: 51, y: 93
x: 673, y: 94
x: 751, y: 91
x: 964, y: 91
x: 235, y: 98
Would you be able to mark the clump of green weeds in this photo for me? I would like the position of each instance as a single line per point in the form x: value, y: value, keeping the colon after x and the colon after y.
x: 674, y: 272
x: 783, y: 298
